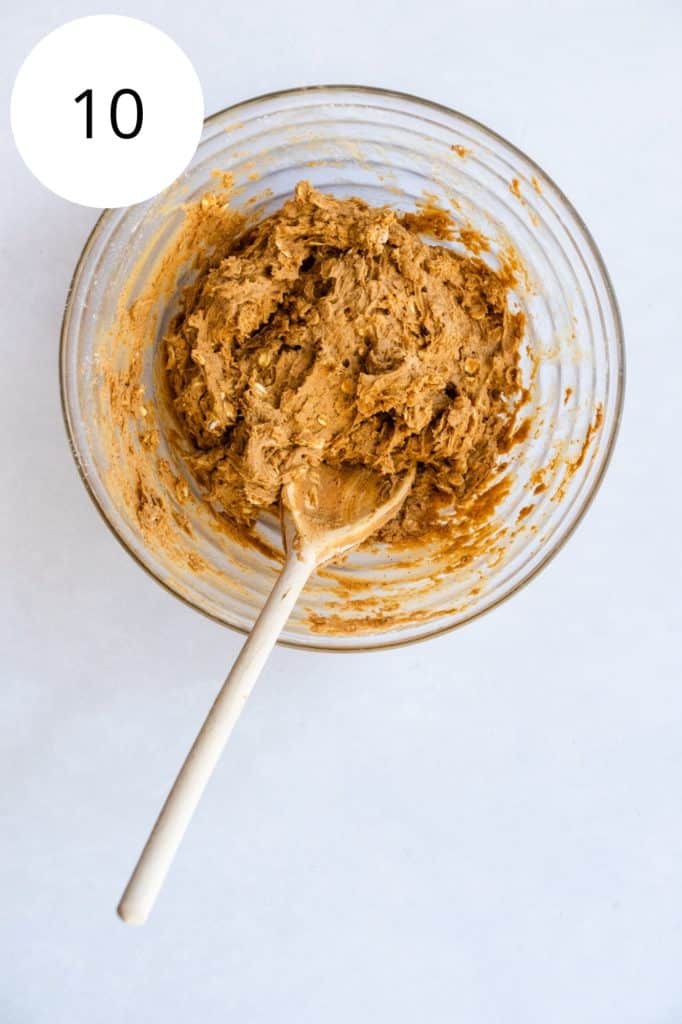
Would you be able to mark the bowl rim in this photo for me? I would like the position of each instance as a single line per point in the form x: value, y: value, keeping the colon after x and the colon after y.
x: 368, y: 644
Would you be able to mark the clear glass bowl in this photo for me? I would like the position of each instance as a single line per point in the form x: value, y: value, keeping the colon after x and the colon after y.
x: 389, y: 149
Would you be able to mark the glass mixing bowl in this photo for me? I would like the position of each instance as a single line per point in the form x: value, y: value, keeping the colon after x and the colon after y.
x: 391, y: 149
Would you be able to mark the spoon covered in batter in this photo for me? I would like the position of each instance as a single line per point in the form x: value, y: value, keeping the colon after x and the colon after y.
x: 325, y: 512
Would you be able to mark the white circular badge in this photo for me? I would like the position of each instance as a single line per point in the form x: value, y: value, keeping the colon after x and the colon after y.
x: 107, y: 111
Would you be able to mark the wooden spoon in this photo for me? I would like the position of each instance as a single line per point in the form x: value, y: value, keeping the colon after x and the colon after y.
x: 325, y: 512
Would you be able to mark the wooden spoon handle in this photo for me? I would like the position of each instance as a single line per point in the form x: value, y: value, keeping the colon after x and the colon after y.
x: 156, y: 858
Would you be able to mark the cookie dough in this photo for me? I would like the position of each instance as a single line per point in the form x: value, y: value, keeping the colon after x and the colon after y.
x: 332, y: 332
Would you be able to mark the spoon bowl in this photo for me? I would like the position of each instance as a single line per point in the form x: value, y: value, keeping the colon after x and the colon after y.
x: 330, y: 510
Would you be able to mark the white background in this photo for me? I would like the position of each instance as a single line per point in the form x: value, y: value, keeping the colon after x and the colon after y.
x: 483, y: 828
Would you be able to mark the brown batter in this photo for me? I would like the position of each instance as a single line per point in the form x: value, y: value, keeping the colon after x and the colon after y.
x: 331, y: 332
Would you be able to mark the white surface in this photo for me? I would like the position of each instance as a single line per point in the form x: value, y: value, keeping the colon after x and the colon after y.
x: 482, y: 828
